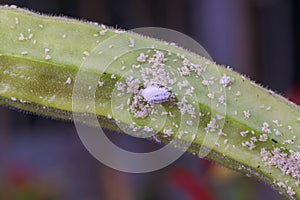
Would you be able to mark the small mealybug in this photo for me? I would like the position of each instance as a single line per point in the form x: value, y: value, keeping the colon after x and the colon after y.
x: 154, y: 94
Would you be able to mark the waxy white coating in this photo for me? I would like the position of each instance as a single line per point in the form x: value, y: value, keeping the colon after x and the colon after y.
x: 154, y: 94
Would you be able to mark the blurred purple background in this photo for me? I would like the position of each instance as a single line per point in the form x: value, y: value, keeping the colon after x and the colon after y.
x: 44, y: 159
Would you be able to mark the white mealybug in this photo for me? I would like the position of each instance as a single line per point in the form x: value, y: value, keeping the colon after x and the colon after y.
x: 154, y: 94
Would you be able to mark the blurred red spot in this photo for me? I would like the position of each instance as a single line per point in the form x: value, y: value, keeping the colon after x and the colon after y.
x: 195, y: 188
x: 294, y: 94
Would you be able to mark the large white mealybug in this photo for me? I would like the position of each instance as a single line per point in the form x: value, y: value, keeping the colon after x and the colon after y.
x: 154, y: 94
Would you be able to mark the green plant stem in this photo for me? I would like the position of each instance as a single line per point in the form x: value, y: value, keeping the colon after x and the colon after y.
x: 41, y: 57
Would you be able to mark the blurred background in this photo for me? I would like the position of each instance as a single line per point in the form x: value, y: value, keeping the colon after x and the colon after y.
x: 42, y: 159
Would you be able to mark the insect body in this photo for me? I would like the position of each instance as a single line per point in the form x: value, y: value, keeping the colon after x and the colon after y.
x: 153, y: 94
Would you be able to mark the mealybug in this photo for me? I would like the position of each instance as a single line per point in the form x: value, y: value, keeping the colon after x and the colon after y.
x: 154, y: 94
